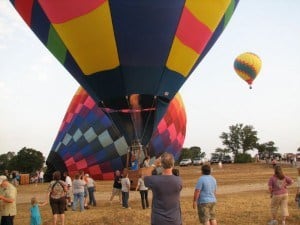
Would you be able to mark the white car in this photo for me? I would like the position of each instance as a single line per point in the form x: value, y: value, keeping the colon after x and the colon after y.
x: 185, y: 162
x: 197, y: 161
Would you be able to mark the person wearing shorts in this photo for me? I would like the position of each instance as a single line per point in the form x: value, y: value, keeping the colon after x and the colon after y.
x: 57, y: 197
x: 204, y: 197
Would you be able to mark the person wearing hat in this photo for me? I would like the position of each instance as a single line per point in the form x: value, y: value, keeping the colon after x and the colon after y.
x: 8, y: 197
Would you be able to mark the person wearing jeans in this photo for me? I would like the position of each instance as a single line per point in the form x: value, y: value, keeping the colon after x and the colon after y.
x: 143, y: 192
x: 91, y: 189
x: 78, y: 193
x: 125, y: 190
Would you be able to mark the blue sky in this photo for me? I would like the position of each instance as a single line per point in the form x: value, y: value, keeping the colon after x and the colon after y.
x: 35, y: 90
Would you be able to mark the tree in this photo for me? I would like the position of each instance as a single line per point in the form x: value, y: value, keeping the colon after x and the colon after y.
x: 222, y: 151
x: 248, y: 138
x: 191, y: 153
x: 270, y: 148
x: 240, y: 137
x: 4, y: 160
x: 266, y: 149
x: 27, y: 160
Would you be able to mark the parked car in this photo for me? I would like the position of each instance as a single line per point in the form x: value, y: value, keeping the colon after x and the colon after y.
x: 197, y: 161
x: 227, y: 159
x: 185, y: 162
x: 214, y: 159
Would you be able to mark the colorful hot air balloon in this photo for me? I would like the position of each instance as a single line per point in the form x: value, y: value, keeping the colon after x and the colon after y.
x: 247, y: 66
x: 131, y: 56
x: 88, y: 140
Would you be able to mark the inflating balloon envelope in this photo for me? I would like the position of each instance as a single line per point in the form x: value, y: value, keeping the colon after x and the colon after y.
x: 88, y: 140
x: 131, y: 56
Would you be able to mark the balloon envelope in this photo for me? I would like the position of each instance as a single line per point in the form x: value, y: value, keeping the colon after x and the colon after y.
x: 88, y: 140
x: 129, y: 55
x: 247, y: 66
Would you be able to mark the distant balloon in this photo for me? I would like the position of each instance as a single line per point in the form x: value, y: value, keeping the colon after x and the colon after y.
x: 88, y: 140
x: 247, y: 66
x: 131, y: 56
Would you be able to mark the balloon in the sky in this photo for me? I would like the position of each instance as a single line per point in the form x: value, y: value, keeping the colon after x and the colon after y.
x: 88, y: 140
x: 131, y: 56
x: 247, y: 66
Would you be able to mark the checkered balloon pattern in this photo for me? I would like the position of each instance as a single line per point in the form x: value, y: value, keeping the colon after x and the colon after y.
x: 88, y: 140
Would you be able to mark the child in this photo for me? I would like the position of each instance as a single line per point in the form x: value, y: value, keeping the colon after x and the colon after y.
x: 35, y: 216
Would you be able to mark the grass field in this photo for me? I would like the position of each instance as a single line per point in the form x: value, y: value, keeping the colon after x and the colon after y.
x: 242, y: 199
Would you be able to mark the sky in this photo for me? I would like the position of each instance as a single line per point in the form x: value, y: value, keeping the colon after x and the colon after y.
x: 35, y: 89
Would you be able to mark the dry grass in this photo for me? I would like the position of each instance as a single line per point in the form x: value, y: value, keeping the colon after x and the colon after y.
x: 242, y: 199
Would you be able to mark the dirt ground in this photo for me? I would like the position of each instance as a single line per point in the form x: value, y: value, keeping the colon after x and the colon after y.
x: 242, y: 199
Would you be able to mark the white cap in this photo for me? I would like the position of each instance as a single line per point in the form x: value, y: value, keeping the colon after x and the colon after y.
x: 2, y: 178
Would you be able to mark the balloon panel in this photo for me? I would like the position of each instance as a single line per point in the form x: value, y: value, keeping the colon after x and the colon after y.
x: 116, y: 49
x: 88, y: 140
x: 133, y: 46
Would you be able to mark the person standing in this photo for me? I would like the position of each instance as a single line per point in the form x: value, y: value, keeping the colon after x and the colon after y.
x: 116, y: 187
x: 91, y: 189
x: 146, y: 162
x: 166, y: 190
x: 68, y: 181
x: 205, y: 197
x: 143, y: 191
x: 41, y: 176
x: 57, y: 195
x: 297, y: 198
x: 278, y: 184
x: 35, y: 215
x: 78, y: 192
x: 8, y: 197
x: 125, y: 182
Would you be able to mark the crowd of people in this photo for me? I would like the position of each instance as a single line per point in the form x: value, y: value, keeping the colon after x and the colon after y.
x: 78, y: 194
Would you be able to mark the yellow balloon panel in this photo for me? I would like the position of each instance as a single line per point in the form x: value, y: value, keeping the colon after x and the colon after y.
x: 207, y: 11
x: 97, y: 50
x: 181, y: 58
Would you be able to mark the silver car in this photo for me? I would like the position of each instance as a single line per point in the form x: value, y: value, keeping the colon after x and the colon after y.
x: 185, y: 162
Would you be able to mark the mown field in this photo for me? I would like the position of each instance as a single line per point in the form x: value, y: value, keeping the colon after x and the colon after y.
x: 242, y: 199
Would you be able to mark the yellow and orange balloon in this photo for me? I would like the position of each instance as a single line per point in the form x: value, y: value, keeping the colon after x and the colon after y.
x: 247, y: 65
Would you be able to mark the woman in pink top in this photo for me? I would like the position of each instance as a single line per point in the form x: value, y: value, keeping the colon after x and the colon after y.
x: 278, y: 189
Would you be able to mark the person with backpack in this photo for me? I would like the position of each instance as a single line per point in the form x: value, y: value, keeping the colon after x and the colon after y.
x: 57, y: 197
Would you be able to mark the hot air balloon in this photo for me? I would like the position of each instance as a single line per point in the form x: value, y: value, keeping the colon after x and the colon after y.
x: 131, y: 56
x: 247, y: 66
x: 88, y: 140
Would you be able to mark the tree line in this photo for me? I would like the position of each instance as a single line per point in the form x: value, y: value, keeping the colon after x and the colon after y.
x: 238, y: 141
x: 27, y: 160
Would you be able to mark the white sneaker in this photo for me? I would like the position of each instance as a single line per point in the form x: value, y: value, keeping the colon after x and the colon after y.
x: 273, y: 222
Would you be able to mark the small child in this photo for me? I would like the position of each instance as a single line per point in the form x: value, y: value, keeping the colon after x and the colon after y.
x: 35, y: 216
x: 297, y: 198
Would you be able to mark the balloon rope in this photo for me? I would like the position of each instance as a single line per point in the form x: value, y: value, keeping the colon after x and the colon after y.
x: 148, y: 117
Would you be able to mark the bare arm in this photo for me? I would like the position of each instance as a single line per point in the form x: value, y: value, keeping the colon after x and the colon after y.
x: 8, y: 200
x: 195, y: 199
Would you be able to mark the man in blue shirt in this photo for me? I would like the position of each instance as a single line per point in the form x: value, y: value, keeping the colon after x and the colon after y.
x: 204, y: 197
